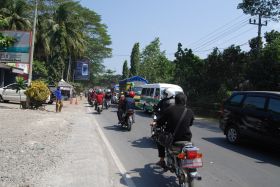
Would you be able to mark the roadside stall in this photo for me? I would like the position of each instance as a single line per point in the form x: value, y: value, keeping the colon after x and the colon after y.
x: 66, y: 89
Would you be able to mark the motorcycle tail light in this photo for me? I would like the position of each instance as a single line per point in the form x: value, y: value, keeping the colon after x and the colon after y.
x: 192, y: 154
x: 181, y: 155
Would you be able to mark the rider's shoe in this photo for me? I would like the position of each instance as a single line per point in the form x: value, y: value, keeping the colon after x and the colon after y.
x: 161, y: 163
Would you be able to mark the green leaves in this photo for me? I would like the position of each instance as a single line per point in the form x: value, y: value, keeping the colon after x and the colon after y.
x: 125, y: 71
x: 154, y: 65
x: 135, y: 60
x: 6, y: 41
x: 264, y: 8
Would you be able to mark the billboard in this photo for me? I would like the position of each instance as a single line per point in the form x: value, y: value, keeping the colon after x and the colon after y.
x: 82, y: 70
x: 20, y: 51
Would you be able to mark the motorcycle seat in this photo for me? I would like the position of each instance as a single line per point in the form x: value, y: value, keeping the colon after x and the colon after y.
x: 181, y: 143
x: 177, y: 146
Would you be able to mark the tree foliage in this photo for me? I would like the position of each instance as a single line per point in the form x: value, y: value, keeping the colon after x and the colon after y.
x: 135, y: 60
x: 66, y: 32
x: 125, y: 70
x: 264, y: 8
x: 155, y: 66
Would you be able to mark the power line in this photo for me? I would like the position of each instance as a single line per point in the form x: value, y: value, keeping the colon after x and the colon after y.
x: 236, y: 36
x: 219, y: 29
x: 222, y: 35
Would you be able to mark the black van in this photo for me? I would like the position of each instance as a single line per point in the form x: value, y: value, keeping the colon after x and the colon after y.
x: 254, y: 114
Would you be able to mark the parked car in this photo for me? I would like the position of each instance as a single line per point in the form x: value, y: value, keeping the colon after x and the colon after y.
x: 251, y: 114
x: 52, y: 97
x: 12, y: 93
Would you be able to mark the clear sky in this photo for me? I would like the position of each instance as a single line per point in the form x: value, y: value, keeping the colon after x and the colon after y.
x: 197, y: 24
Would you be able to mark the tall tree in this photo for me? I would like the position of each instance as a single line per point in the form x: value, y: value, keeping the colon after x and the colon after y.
x: 269, y: 9
x: 16, y: 14
x: 265, y: 8
x: 66, y: 36
x: 188, y: 71
x: 134, y: 60
x: 125, y: 70
x: 154, y: 66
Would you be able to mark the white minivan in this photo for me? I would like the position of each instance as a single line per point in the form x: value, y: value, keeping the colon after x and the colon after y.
x: 153, y: 93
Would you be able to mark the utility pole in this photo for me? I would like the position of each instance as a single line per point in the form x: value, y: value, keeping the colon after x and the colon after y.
x: 260, y: 24
x: 32, y: 45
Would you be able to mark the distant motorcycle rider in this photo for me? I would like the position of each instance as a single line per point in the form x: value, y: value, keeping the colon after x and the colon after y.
x: 99, y: 98
x: 108, y: 97
x: 121, y: 107
x: 130, y: 103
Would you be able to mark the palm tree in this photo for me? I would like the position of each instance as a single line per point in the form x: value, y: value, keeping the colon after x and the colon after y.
x: 15, y: 13
x: 20, y: 86
x: 66, y: 35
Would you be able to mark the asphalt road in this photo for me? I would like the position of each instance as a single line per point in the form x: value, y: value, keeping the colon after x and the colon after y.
x: 251, y: 164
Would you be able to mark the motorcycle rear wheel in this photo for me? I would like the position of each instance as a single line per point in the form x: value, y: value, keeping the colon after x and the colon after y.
x: 190, y: 182
x: 186, y: 182
x: 129, y: 123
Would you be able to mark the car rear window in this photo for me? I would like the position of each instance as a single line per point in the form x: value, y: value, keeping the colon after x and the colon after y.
x: 274, y: 105
x: 254, y: 102
x: 236, y: 100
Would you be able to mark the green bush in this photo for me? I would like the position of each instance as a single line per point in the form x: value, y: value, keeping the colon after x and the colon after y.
x: 38, y: 93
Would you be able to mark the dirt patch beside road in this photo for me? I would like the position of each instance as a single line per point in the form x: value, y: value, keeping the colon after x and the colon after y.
x: 29, y: 143
x: 44, y: 148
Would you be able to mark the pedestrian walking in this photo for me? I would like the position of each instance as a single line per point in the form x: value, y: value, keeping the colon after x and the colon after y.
x: 59, y: 103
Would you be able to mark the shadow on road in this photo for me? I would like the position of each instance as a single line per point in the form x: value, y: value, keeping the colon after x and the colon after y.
x: 263, y: 153
x: 151, y: 175
x: 143, y: 114
x: 115, y: 128
x: 204, y: 125
x: 145, y: 142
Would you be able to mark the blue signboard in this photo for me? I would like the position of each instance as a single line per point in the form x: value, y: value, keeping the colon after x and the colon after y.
x: 82, y: 70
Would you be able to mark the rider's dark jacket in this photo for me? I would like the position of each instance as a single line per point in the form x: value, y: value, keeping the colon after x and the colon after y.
x: 129, y: 103
x: 171, y: 117
x: 162, y: 105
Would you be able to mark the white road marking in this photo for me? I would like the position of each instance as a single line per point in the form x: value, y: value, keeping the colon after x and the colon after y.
x: 116, y: 159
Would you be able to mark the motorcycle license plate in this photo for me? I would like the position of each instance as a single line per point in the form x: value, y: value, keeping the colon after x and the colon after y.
x: 192, y: 163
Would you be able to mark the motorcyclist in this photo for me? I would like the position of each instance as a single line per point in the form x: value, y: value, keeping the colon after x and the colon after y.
x: 168, y: 99
x: 92, y: 96
x: 121, y: 107
x: 99, y: 98
x: 170, y: 117
x: 130, y: 103
x: 108, y: 96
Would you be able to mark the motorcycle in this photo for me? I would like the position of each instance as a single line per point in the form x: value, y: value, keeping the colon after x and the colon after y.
x: 114, y: 99
x: 155, y: 130
x: 107, y: 103
x: 183, y: 159
x: 127, y: 119
x: 91, y: 102
x: 98, y: 108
